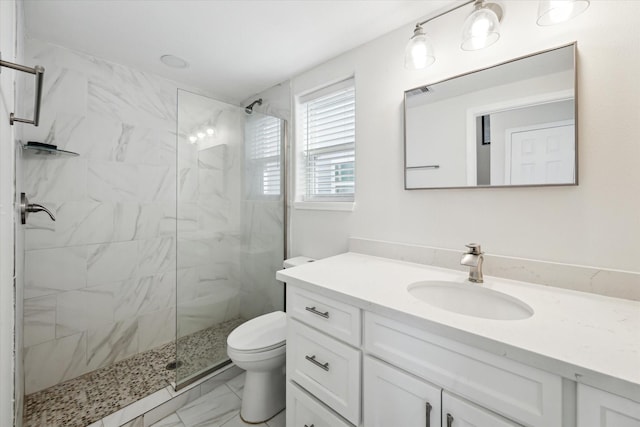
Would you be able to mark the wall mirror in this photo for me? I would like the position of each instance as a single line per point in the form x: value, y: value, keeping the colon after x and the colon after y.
x: 513, y: 124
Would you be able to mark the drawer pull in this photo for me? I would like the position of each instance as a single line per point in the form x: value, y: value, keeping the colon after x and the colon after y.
x: 308, y: 426
x: 313, y: 360
x: 449, y: 420
x: 319, y: 313
x: 428, y: 410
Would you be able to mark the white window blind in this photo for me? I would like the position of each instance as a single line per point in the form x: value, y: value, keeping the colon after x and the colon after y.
x: 328, y: 127
x: 264, y: 139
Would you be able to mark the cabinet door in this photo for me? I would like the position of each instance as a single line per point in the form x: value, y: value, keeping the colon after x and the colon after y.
x: 597, y: 408
x: 457, y: 412
x: 395, y: 398
x: 304, y: 410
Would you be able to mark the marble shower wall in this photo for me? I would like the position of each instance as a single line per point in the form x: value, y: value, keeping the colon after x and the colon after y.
x: 100, y: 281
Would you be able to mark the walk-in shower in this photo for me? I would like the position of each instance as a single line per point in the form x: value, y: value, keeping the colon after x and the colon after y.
x: 230, y: 218
x: 169, y: 229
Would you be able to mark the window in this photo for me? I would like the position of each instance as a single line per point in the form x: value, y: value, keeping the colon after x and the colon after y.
x: 328, y: 143
x: 264, y: 138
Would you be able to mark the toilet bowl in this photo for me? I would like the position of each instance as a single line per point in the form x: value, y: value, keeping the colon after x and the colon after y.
x: 258, y: 347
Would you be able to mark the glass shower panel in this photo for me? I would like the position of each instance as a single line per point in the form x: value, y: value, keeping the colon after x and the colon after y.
x: 230, y: 231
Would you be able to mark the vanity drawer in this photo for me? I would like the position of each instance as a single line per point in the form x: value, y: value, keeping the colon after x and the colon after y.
x: 524, y: 394
x: 326, y: 368
x: 303, y: 410
x: 331, y: 317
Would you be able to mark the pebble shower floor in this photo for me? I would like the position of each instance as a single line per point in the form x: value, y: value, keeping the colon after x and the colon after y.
x: 90, y: 397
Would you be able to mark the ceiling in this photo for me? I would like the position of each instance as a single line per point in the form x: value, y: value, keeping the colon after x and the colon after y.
x: 235, y: 48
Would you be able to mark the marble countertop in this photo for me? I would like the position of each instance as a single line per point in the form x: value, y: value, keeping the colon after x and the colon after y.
x: 584, y: 337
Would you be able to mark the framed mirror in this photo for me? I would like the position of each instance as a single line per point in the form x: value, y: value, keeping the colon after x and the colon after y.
x: 513, y: 124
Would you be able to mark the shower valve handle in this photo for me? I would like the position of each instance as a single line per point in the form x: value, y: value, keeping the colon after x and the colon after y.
x: 26, y: 208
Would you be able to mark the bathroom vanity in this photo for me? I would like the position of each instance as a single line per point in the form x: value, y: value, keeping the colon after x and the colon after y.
x: 362, y: 350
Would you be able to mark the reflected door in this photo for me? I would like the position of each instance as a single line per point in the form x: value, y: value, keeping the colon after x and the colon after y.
x: 542, y: 154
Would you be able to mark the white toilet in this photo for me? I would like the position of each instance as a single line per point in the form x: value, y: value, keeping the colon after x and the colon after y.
x: 258, y: 346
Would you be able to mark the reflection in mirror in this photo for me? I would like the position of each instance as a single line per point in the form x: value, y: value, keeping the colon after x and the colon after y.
x: 508, y: 125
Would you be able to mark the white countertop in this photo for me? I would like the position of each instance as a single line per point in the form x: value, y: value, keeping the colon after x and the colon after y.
x: 584, y: 337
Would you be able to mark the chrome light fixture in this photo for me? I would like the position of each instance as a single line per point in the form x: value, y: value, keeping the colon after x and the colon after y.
x: 482, y: 27
x: 419, y: 51
x: 551, y: 12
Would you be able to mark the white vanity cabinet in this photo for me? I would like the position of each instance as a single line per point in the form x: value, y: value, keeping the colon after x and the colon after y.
x: 394, y: 398
x: 323, y: 359
x: 457, y: 412
x: 526, y: 395
x: 597, y: 408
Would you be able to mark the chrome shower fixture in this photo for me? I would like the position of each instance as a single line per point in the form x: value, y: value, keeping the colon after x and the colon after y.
x: 249, y: 108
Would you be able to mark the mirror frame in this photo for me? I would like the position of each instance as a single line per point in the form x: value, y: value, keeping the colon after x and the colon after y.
x: 575, y: 112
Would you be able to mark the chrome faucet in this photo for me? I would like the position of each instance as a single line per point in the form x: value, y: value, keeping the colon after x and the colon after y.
x: 473, y: 258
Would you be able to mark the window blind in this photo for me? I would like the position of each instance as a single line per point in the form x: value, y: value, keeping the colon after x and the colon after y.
x: 329, y: 143
x: 264, y: 137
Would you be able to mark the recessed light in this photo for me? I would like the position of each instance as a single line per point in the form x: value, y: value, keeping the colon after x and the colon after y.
x: 174, y: 61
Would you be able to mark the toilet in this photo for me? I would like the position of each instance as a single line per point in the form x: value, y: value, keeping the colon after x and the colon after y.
x: 258, y: 347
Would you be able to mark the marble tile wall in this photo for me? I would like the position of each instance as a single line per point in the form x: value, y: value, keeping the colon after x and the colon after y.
x: 262, y: 255
x: 100, y: 281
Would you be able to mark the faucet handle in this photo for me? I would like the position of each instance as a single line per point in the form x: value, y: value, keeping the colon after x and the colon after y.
x: 474, y: 249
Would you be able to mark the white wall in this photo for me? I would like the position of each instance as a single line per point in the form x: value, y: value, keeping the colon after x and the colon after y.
x: 596, y: 223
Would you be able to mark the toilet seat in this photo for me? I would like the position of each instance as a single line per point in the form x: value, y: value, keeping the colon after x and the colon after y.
x: 263, y: 333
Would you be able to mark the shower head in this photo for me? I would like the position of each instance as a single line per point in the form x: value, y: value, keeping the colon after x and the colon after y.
x: 249, y: 108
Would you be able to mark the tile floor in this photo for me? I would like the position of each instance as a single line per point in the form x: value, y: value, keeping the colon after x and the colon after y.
x: 91, y: 397
x: 218, y: 408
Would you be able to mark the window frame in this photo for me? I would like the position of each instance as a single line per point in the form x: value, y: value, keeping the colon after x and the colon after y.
x: 304, y: 199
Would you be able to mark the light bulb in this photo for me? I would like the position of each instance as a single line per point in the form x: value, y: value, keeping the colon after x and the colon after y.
x: 480, y: 31
x: 200, y: 135
x: 193, y: 138
x: 481, y: 28
x: 211, y: 131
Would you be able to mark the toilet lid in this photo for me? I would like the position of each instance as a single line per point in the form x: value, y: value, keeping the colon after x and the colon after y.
x: 262, y: 333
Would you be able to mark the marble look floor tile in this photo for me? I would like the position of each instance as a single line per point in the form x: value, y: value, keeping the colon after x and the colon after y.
x: 171, y: 421
x: 237, y: 422
x: 237, y: 384
x: 213, y: 409
x: 280, y: 420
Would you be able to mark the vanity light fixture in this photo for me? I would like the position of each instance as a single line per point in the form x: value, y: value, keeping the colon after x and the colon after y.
x: 482, y: 27
x: 419, y: 51
x: 552, y: 12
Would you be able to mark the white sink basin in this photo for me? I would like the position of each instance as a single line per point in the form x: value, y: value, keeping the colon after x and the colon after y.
x: 470, y: 299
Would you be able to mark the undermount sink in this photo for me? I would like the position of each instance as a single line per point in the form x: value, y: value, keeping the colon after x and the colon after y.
x: 470, y: 299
